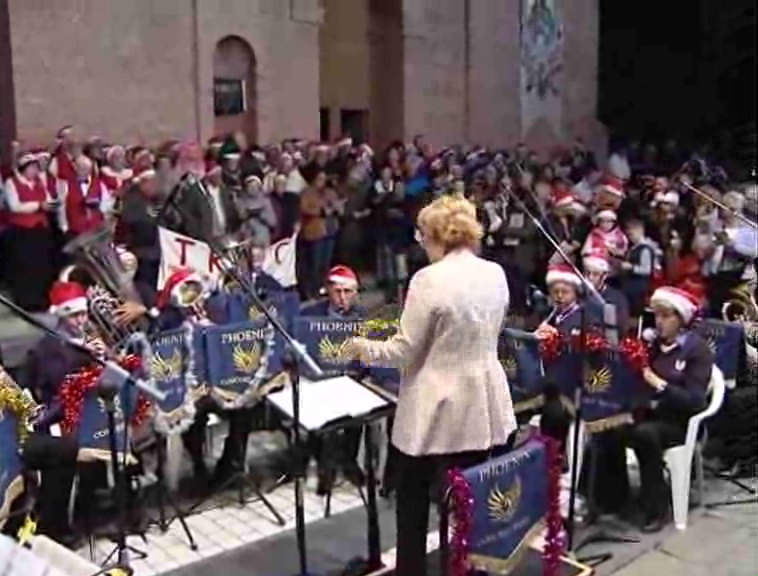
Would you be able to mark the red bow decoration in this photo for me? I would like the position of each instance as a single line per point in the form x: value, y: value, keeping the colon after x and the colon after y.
x: 636, y: 353
x: 76, y: 385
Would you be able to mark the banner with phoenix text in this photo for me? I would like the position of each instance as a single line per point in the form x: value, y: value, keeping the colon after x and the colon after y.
x: 92, y: 429
x: 510, y: 498
x: 238, y: 357
x: 325, y: 338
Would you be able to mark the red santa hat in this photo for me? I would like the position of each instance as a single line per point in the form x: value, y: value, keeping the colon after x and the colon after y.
x: 681, y: 301
x: 562, y: 196
x: 606, y: 215
x: 250, y: 178
x: 171, y: 290
x: 112, y: 151
x: 67, y: 298
x: 562, y: 273
x: 612, y: 185
x: 27, y: 160
x: 212, y: 167
x: 343, y: 276
x: 596, y: 260
x: 143, y: 173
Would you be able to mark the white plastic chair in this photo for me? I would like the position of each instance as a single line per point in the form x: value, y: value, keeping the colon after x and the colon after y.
x: 679, y: 459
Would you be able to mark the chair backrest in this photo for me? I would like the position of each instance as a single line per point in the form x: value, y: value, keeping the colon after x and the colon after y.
x: 716, y: 390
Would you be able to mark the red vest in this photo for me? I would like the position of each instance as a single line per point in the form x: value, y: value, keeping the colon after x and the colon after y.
x: 81, y: 215
x: 29, y: 192
x: 114, y: 181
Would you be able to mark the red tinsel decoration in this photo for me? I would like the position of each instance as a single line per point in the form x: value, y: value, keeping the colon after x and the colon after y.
x: 550, y: 347
x: 554, y: 540
x: 636, y: 353
x: 76, y: 385
x: 461, y: 506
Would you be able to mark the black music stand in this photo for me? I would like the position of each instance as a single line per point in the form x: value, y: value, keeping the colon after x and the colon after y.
x: 385, y: 406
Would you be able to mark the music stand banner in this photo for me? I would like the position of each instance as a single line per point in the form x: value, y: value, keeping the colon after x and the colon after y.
x: 510, y: 502
x: 563, y: 375
x: 610, y: 390
x: 376, y: 329
x: 92, y: 428
x: 172, y: 361
x: 324, y: 338
x: 520, y: 356
x: 238, y: 358
x: 725, y: 340
x: 11, y: 478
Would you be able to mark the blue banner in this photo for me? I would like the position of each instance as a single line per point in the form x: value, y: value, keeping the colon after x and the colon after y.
x: 238, y: 356
x: 611, y: 390
x: 11, y: 480
x: 510, y: 502
x: 92, y: 430
x: 324, y: 338
x: 563, y: 375
x: 170, y: 364
x: 284, y: 305
x: 725, y: 340
x: 376, y: 329
x: 520, y: 356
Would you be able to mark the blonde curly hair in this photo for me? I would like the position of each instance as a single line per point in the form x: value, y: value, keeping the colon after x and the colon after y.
x: 450, y: 221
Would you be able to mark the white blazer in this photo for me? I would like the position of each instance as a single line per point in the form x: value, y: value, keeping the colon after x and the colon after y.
x: 454, y: 395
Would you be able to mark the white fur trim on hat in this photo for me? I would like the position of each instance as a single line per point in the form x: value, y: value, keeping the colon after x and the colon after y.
x: 606, y: 215
x: 676, y: 299
x: 595, y: 264
x: 70, y: 307
x: 561, y: 275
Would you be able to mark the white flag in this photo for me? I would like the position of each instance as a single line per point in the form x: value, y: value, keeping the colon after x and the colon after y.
x: 280, y: 261
x: 179, y: 251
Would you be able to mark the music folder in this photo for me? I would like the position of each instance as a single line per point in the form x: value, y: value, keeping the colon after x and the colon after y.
x: 330, y: 401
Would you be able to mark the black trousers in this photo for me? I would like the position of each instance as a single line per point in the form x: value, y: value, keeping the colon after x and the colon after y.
x: 649, y: 438
x: 30, y: 267
x: 240, y: 425
x: 419, y: 480
x: 55, y: 459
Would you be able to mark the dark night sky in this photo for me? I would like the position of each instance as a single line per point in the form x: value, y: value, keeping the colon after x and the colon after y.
x: 657, y: 69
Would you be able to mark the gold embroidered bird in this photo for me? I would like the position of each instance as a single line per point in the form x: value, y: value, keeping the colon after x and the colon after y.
x: 331, y: 351
x: 163, y: 369
x: 510, y: 366
x: 254, y: 313
x: 247, y: 360
x: 502, y: 505
x: 599, y: 380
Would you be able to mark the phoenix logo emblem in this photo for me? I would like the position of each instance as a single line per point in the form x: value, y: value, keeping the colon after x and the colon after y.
x: 247, y: 360
x: 502, y: 505
x: 510, y: 366
x: 165, y: 369
x: 331, y: 351
x: 599, y: 380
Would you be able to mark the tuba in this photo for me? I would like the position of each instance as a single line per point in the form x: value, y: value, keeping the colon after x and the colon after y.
x: 95, y: 252
x: 741, y: 306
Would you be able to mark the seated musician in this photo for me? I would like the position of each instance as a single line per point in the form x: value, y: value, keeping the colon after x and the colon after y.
x: 341, y: 448
x: 613, y: 313
x: 47, y: 366
x: 565, y: 319
x: 186, y: 297
x: 679, y: 373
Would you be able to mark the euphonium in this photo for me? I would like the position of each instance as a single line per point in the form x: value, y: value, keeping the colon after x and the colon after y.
x: 94, y: 251
x: 741, y: 306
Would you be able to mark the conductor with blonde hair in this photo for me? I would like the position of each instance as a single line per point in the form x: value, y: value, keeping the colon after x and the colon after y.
x: 454, y: 407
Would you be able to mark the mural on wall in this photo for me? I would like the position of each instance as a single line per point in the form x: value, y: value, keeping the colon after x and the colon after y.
x: 541, y: 65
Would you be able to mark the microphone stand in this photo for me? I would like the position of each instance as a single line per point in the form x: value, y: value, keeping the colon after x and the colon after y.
x: 110, y: 383
x: 294, y: 356
x: 578, y: 394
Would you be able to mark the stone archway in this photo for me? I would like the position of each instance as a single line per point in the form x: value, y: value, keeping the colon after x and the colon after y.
x: 235, y: 88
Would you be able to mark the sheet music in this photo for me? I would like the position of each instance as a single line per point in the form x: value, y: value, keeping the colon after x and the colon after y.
x: 324, y: 401
x: 46, y: 558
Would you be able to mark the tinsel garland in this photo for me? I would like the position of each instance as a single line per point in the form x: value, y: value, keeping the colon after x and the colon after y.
x: 13, y: 400
x: 554, y: 537
x: 461, y: 503
x: 75, y: 387
x: 636, y: 353
x: 633, y: 350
